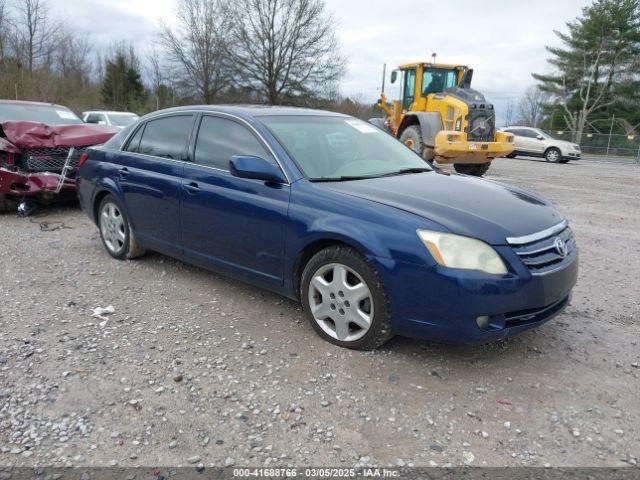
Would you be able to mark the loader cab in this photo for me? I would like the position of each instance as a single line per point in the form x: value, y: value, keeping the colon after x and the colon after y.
x: 421, y: 79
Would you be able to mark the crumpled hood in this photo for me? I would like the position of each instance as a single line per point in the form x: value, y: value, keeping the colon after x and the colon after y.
x: 36, y: 135
x: 464, y: 205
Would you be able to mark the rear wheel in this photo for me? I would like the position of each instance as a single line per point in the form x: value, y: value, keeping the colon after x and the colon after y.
x: 344, y: 299
x: 553, y: 155
x: 475, y: 169
x: 115, y: 230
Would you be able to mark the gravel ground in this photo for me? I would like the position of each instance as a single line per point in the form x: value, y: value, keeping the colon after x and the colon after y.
x: 195, y: 368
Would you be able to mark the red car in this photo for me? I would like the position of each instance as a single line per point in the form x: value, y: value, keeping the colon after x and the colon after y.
x: 40, y: 145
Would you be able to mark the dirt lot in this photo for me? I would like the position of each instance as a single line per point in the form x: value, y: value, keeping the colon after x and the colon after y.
x: 194, y: 368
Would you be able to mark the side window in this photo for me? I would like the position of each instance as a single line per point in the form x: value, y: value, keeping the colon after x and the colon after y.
x: 167, y: 137
x: 409, y: 90
x: 134, y: 143
x: 219, y: 139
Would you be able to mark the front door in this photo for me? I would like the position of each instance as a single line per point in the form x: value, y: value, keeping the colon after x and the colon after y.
x: 227, y: 222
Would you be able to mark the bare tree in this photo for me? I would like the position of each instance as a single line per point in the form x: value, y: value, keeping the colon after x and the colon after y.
x: 73, y: 57
x: 155, y: 73
x: 531, y: 106
x: 285, y: 48
x: 508, y: 113
x: 38, y: 32
x: 197, y: 45
x: 5, y: 30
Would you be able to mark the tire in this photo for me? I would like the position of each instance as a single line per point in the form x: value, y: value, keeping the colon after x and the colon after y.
x: 412, y: 138
x: 553, y: 155
x: 512, y: 155
x: 475, y: 169
x: 115, y: 230
x: 339, y: 283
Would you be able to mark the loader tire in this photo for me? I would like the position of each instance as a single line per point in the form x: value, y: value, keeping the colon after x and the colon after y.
x: 412, y: 138
x: 477, y: 170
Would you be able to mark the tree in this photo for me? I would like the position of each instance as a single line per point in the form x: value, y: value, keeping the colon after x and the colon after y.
x: 197, y: 45
x: 122, y: 87
x: 508, y: 112
x: 38, y: 34
x: 598, y: 56
x: 5, y: 31
x: 530, y: 107
x: 285, y: 48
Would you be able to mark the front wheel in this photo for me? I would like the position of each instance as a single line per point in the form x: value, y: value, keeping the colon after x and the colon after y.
x: 477, y: 170
x: 344, y: 299
x: 553, y: 155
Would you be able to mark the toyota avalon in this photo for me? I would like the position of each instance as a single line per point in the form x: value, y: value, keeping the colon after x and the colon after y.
x: 331, y: 211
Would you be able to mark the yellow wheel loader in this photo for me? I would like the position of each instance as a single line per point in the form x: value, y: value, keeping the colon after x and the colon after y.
x: 443, y: 119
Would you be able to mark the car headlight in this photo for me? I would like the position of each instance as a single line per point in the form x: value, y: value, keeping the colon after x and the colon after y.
x: 456, y: 251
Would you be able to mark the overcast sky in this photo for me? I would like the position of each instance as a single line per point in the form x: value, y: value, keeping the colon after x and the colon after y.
x: 503, y: 40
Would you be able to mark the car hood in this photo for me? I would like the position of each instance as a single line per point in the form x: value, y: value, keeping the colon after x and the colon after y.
x: 40, y: 135
x: 464, y: 205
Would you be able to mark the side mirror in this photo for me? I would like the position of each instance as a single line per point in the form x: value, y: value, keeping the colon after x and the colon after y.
x: 394, y: 76
x: 244, y: 166
x: 539, y: 137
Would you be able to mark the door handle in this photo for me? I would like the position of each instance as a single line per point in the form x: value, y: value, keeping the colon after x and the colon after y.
x: 123, y: 172
x: 191, y: 188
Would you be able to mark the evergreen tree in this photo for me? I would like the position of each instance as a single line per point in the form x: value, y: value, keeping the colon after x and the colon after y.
x: 598, y: 63
x: 122, y: 87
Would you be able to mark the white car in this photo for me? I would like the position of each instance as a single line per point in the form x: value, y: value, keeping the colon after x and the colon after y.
x: 115, y: 119
x: 533, y: 142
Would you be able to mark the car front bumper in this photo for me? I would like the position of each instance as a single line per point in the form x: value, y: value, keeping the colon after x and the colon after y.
x: 443, y: 304
x: 42, y: 185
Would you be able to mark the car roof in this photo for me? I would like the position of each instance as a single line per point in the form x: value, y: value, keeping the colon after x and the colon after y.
x: 253, y: 110
x: 26, y: 102
x: 108, y: 111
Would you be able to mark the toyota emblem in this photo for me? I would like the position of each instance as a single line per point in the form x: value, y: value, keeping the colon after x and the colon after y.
x: 561, y: 247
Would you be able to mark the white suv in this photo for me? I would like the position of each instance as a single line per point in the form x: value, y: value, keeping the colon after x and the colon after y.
x: 115, y: 119
x: 533, y: 142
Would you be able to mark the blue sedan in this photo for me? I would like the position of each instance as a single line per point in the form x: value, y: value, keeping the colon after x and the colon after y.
x: 327, y: 209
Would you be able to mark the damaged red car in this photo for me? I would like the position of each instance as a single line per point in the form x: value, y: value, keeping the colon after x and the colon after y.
x: 40, y: 146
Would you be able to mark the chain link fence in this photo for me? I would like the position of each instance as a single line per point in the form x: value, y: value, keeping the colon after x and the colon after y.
x: 603, y: 144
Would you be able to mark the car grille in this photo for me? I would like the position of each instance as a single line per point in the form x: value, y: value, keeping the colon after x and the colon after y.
x: 534, y: 315
x: 50, y: 159
x: 541, y: 254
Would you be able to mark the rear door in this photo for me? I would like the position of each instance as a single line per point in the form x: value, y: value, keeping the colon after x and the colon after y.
x: 150, y: 177
x: 229, y: 222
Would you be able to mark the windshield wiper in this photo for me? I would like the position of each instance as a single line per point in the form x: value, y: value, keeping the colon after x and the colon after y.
x: 346, y: 178
x: 405, y: 171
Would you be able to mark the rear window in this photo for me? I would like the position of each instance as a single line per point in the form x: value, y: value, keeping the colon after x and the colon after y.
x: 49, y: 114
x: 165, y: 137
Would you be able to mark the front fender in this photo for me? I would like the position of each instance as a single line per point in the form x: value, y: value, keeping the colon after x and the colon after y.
x: 319, y: 214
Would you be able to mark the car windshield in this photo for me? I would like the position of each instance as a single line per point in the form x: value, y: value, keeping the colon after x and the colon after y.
x: 122, y: 119
x: 342, y: 148
x: 49, y: 114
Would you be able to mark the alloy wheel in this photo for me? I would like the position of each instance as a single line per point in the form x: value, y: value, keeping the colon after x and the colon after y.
x: 552, y: 155
x: 341, y: 302
x: 112, y: 227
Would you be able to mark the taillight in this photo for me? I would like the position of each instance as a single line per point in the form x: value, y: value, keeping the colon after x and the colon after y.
x: 83, y: 158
